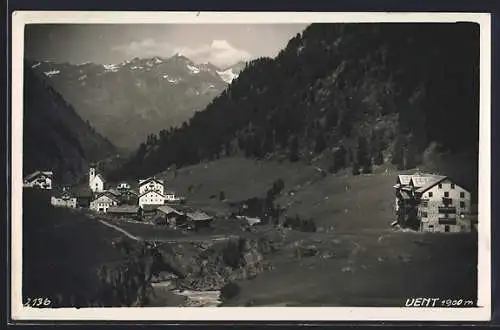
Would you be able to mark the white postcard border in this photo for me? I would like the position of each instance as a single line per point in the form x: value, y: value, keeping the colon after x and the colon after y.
x: 482, y: 313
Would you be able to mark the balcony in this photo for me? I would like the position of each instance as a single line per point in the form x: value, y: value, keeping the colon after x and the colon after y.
x: 447, y: 221
x: 447, y: 201
x: 447, y: 209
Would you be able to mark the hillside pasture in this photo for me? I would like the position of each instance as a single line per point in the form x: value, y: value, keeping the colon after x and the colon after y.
x: 361, y: 260
x: 62, y: 250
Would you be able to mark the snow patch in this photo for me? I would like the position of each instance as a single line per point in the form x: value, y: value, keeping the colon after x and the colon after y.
x: 227, y: 75
x: 193, y: 69
x: 135, y: 67
x: 52, y: 73
x: 170, y: 80
x: 82, y: 77
x: 36, y: 65
x: 110, y: 67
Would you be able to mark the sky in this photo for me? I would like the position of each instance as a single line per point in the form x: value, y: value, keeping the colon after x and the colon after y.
x: 220, y: 44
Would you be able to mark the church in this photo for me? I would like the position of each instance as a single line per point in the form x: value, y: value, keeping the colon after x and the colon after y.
x: 96, y: 180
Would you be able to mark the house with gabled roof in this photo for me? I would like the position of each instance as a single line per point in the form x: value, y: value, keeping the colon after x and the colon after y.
x: 104, y: 201
x: 151, y: 197
x: 39, y: 179
x: 167, y: 215
x: 434, y: 202
x: 198, y: 219
x: 63, y: 199
x: 149, y: 184
x: 83, y: 195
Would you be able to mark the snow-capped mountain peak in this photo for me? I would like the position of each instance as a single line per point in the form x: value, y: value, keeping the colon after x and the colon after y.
x: 193, y: 69
x: 227, y: 75
x: 111, y: 67
x: 150, y: 93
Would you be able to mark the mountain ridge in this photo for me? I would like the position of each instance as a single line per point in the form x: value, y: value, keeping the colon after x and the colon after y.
x: 129, y: 100
x: 54, y: 136
x: 342, y: 95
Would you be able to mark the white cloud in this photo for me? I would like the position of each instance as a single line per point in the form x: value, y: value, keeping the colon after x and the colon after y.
x: 219, y: 52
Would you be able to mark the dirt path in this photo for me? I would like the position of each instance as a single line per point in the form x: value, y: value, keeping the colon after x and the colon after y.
x: 210, y: 238
x: 123, y: 231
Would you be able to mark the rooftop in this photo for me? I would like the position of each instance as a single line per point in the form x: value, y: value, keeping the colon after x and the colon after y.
x: 151, y: 207
x: 38, y: 173
x: 144, y: 181
x: 199, y: 216
x: 167, y: 210
x: 418, y: 179
x: 124, y: 209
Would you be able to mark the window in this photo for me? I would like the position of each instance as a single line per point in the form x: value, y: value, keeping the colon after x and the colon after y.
x: 462, y: 205
x: 452, y: 186
x: 447, y: 228
x: 440, y: 186
x: 431, y: 228
x: 462, y: 194
x: 424, y: 214
x: 446, y: 194
x: 430, y: 194
x: 425, y: 203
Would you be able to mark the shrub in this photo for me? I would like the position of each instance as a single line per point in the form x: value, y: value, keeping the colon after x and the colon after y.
x: 297, y: 224
x: 231, y: 254
x: 229, y: 291
x: 160, y: 221
x: 355, y: 169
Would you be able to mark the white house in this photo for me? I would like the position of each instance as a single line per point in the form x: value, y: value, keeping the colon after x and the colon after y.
x: 39, y: 179
x: 123, y: 186
x: 151, y: 197
x: 103, y: 201
x: 96, y: 180
x: 63, y: 200
x: 150, y: 184
x: 171, y: 197
x: 440, y: 204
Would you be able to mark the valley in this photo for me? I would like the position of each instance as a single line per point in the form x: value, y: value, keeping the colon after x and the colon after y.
x: 128, y: 101
x: 353, y: 259
x: 343, y: 171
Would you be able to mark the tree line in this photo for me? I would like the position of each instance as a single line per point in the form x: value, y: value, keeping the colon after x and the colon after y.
x: 360, y: 94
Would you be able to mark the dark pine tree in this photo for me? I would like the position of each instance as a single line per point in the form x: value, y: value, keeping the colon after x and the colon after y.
x: 294, y: 149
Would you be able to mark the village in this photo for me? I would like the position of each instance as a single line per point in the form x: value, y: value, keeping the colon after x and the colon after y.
x: 146, y: 201
x: 424, y: 202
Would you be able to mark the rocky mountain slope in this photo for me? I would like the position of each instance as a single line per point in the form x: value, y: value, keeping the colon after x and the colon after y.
x: 54, y: 136
x: 340, y: 96
x: 127, y: 101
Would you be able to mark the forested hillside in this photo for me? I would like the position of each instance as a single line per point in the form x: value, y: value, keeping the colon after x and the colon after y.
x: 54, y: 136
x: 349, y: 94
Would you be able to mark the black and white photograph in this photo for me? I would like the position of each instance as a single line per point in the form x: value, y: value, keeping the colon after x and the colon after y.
x: 222, y: 160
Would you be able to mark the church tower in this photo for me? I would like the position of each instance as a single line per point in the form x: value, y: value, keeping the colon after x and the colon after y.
x: 91, y: 175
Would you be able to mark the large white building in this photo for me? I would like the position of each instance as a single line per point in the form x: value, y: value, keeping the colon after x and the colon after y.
x: 151, y: 192
x: 151, y: 198
x: 440, y: 205
x: 96, y: 180
x: 39, y: 179
x: 151, y: 184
